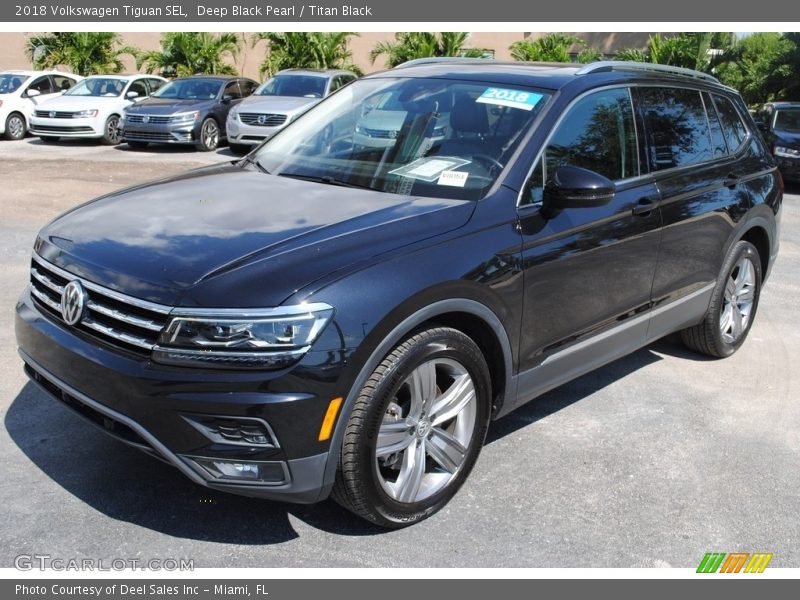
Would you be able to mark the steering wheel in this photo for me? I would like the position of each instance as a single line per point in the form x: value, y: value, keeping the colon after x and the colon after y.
x: 488, y: 160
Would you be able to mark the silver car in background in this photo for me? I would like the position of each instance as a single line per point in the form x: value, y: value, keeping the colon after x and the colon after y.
x: 278, y: 101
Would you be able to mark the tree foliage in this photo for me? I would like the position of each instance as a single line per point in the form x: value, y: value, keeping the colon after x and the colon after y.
x: 306, y: 50
x: 190, y: 53
x: 551, y: 47
x: 410, y: 45
x: 83, y: 52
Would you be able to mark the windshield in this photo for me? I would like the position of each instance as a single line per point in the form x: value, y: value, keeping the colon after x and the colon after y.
x: 788, y: 120
x: 10, y: 82
x: 424, y: 137
x: 294, y: 85
x: 99, y: 86
x: 190, y: 89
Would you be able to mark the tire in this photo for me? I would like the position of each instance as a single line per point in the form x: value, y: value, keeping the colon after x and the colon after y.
x: 240, y: 149
x: 404, y: 402
x: 15, y: 127
x: 732, y: 310
x: 209, y: 136
x: 137, y: 145
x: 112, y: 134
x: 49, y: 139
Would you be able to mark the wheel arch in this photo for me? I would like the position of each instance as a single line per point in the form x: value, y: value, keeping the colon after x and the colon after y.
x: 758, y: 235
x: 469, y: 316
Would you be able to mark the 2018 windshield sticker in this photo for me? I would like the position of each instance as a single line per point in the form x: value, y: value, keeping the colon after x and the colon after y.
x: 429, y: 168
x: 512, y: 98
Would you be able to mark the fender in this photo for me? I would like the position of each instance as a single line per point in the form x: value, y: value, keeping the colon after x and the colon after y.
x: 427, y: 313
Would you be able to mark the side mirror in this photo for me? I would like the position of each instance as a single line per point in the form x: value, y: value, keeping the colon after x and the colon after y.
x: 131, y: 95
x: 33, y: 93
x: 575, y: 187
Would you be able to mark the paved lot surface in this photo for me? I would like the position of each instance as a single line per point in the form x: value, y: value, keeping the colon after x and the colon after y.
x: 650, y: 461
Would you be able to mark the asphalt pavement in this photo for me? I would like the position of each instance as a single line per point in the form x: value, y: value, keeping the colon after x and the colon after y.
x: 651, y: 461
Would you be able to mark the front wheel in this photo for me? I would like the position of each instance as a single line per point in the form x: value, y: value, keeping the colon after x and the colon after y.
x: 733, y: 305
x: 209, y: 136
x: 15, y: 127
x: 416, y: 429
x: 112, y: 134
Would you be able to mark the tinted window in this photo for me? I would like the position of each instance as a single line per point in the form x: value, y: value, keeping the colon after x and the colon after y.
x: 787, y: 119
x: 677, y: 127
x: 732, y: 125
x: 138, y: 87
x: 155, y: 84
x: 597, y: 133
x: 190, y: 89
x: 310, y: 86
x: 718, y: 145
x: 43, y: 85
x: 63, y: 83
x: 10, y: 82
x: 247, y: 87
x: 232, y: 90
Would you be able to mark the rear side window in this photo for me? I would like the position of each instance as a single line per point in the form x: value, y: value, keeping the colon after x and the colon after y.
x: 718, y: 145
x: 732, y: 126
x: 63, y: 83
x: 232, y: 90
x: 677, y: 127
x: 247, y: 86
x: 155, y: 84
x: 42, y: 85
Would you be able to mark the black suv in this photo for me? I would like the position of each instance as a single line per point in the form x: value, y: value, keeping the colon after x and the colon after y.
x: 331, y: 318
x: 780, y: 124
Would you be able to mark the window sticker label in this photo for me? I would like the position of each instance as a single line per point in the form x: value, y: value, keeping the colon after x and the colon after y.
x: 453, y: 178
x: 429, y: 168
x: 512, y: 98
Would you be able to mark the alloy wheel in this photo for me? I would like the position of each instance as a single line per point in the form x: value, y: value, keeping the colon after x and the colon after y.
x: 738, y: 301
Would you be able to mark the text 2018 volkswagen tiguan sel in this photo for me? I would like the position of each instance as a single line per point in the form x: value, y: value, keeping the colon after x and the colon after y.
x: 328, y: 318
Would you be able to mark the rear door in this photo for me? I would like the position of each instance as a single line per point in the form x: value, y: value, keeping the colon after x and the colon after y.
x: 588, y: 270
x: 698, y: 172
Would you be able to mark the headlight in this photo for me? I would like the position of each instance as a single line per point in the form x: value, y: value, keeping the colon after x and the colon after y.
x: 269, y: 339
x: 787, y: 152
x: 84, y: 114
x: 233, y: 112
x: 189, y: 117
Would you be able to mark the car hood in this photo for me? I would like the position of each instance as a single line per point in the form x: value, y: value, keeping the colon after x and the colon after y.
x: 175, y: 241
x: 788, y: 138
x: 168, y: 106
x: 80, y: 102
x: 281, y: 104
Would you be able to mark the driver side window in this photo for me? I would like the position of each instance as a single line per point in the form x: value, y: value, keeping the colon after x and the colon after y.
x: 598, y: 133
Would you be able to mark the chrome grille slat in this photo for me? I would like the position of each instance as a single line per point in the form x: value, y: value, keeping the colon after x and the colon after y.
x: 120, y: 320
x: 271, y: 119
x: 59, y: 114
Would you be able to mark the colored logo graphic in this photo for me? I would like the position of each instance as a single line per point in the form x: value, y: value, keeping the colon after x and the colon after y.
x: 735, y: 562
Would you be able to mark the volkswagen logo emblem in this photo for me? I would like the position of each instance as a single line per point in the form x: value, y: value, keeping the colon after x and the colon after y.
x: 52, y: 114
x: 73, y: 302
x: 262, y: 119
x: 145, y: 119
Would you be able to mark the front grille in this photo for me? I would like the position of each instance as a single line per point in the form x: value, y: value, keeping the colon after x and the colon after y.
x: 154, y: 119
x: 379, y: 133
x: 155, y: 136
x: 269, y: 120
x: 116, y: 319
x: 61, y: 129
x: 57, y: 115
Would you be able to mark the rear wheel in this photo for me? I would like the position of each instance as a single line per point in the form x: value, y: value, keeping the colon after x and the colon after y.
x: 209, y: 136
x: 15, y: 127
x: 733, y: 305
x: 416, y: 429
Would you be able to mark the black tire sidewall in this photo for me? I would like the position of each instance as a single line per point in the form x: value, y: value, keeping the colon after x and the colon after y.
x: 740, y: 250
x: 439, y: 345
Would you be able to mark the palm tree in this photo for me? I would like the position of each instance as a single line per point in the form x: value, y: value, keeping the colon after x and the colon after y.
x: 189, y: 53
x: 552, y: 47
x: 410, y: 45
x: 688, y: 50
x: 306, y: 50
x: 83, y: 52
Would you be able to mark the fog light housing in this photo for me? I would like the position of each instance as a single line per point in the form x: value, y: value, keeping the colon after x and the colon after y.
x: 242, y: 471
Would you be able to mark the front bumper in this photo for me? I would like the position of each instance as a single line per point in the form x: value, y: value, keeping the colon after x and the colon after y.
x: 789, y: 167
x: 151, y: 407
x: 161, y: 133
x: 249, y: 135
x: 77, y: 128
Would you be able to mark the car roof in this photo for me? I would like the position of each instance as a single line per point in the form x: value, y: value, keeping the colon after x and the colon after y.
x: 552, y: 76
x: 219, y: 77
x: 315, y: 72
x: 30, y: 73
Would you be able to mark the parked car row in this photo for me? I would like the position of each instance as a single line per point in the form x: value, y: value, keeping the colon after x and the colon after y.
x: 200, y: 110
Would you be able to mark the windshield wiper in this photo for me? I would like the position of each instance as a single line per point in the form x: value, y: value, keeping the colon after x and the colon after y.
x: 327, y: 179
x: 251, y: 160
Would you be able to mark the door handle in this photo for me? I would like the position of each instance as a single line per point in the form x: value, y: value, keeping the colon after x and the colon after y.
x: 644, y: 208
x: 731, y: 181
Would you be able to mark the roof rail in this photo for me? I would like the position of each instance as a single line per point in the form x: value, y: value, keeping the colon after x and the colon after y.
x: 622, y: 65
x: 441, y: 59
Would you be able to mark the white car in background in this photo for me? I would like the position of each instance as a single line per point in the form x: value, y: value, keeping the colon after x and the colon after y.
x: 22, y: 91
x: 94, y: 108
